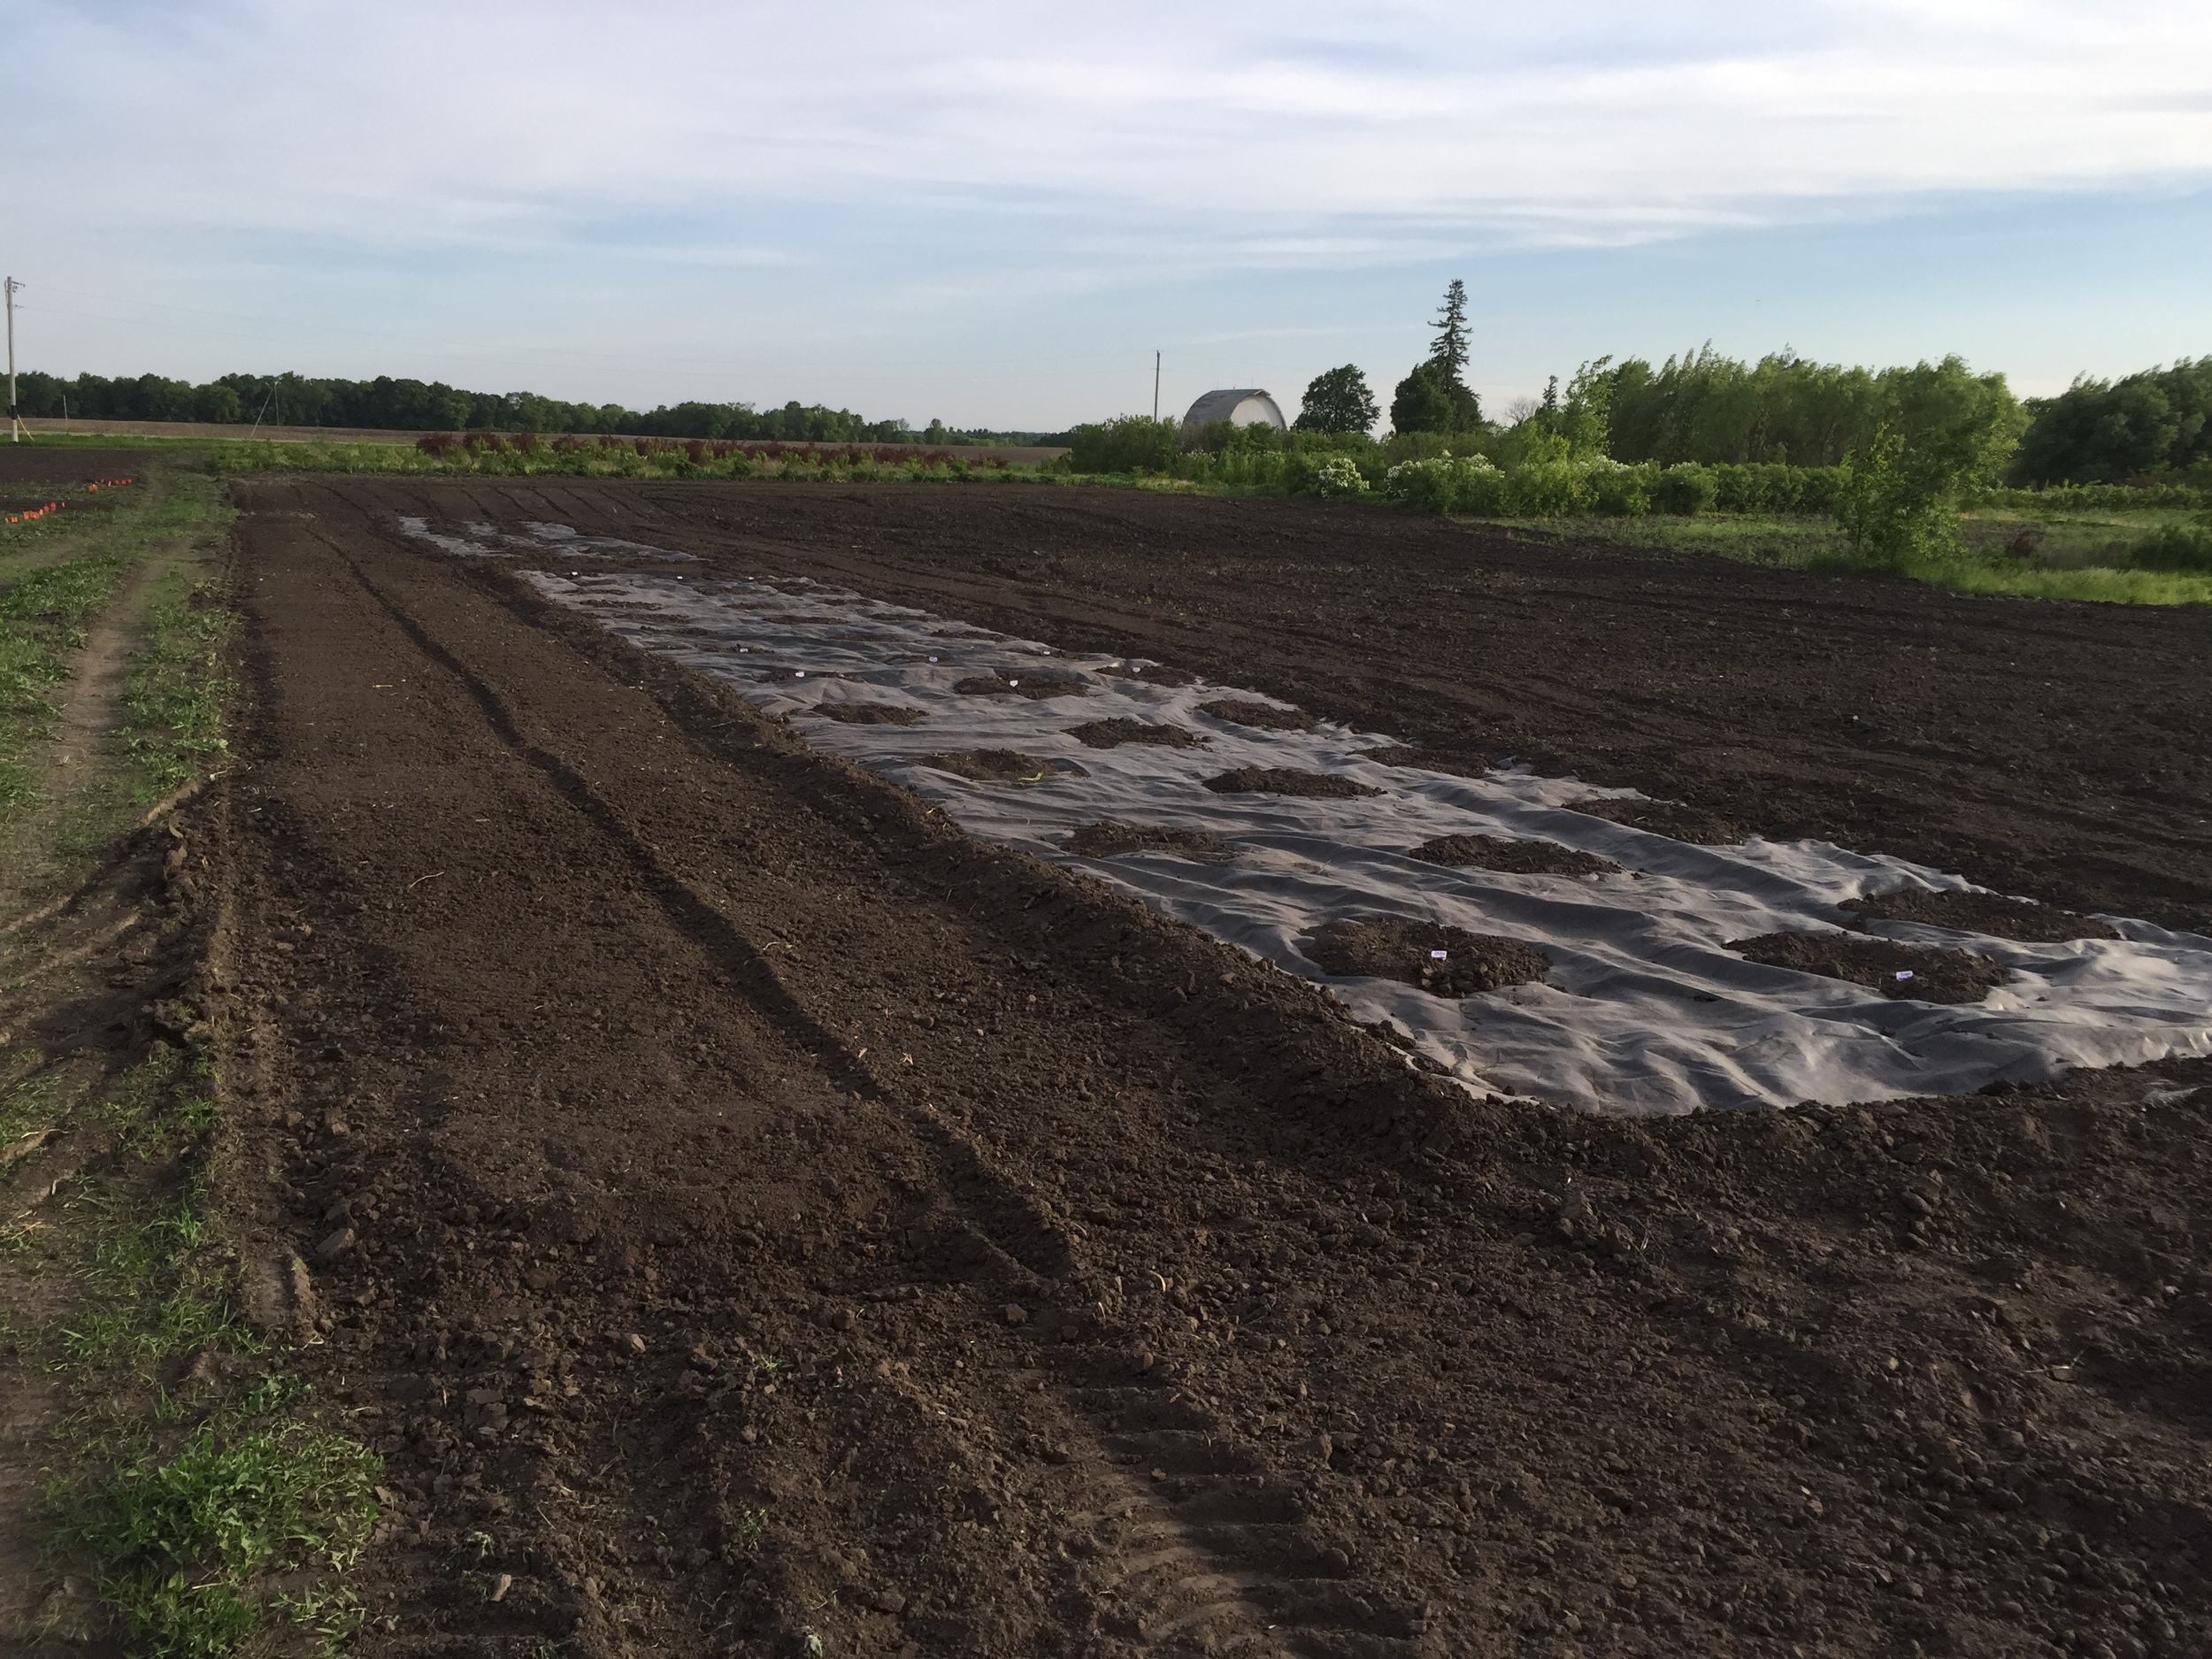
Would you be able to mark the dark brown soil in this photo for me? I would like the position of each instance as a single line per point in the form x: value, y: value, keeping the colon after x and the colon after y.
x: 1103, y: 840
x: 1990, y: 913
x: 1917, y: 974
x: 1263, y: 716
x: 1319, y: 786
x: 1394, y: 755
x: 1157, y: 674
x: 1512, y: 857
x: 1113, y: 734
x: 1014, y: 1274
x: 1472, y: 962
x: 1661, y: 818
x: 870, y: 713
x: 1021, y: 686
x: 2042, y: 749
x: 1002, y: 766
x: 43, y: 464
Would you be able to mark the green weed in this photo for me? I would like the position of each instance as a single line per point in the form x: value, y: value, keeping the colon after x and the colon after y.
x: 178, y: 1543
x: 745, y: 1535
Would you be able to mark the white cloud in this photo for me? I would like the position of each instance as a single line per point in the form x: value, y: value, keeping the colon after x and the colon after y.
x: 1289, y: 127
x: 877, y: 203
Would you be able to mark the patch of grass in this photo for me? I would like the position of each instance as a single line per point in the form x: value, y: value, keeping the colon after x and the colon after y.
x: 1780, y: 541
x: 2051, y: 568
x: 43, y: 619
x: 179, y: 1542
x: 2093, y: 585
x: 175, y: 699
x: 200, y: 1514
x: 52, y: 588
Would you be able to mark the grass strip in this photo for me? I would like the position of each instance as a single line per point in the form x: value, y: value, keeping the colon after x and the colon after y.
x: 175, y: 699
x: 197, y: 1495
x: 43, y: 615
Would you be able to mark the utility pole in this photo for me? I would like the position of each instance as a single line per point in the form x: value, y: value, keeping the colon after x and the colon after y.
x: 15, y: 421
x: 1155, y: 383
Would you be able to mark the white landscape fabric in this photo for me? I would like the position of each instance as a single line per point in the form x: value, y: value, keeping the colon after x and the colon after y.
x: 1644, y: 1010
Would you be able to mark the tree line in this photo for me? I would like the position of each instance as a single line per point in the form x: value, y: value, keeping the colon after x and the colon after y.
x: 388, y: 404
x: 1710, y: 409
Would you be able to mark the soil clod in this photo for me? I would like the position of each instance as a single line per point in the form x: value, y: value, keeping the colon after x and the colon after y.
x: 1113, y: 734
x: 1512, y: 857
x: 1468, y: 966
x: 1315, y: 785
x: 1919, y: 973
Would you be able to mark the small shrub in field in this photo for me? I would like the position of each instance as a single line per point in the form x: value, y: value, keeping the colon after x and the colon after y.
x: 1896, y: 514
x: 1445, y: 483
x: 1548, y: 488
x: 1424, y: 486
x: 2175, y: 547
x: 1684, y: 489
x: 1339, y: 475
x: 437, y: 443
x: 1129, y: 443
x: 1615, y: 490
x: 1481, y: 487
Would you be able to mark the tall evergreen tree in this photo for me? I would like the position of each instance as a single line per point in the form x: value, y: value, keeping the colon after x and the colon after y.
x: 1450, y: 328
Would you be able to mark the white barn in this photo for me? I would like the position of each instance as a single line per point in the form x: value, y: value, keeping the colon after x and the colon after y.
x: 1246, y: 407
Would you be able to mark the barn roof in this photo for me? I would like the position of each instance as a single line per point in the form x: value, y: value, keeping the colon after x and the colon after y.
x: 1221, y: 406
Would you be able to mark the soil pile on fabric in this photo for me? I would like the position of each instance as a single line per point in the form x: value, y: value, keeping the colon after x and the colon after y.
x: 1443, y: 961
x: 1113, y: 734
x: 1103, y: 840
x: 1263, y: 716
x: 1001, y: 765
x: 1916, y: 973
x: 870, y: 713
x: 1512, y: 857
x: 1990, y: 913
x: 1315, y: 785
x: 1042, y: 687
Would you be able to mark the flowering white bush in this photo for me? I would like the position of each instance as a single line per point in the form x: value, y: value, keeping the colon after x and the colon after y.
x: 1339, y: 475
x: 1445, y: 483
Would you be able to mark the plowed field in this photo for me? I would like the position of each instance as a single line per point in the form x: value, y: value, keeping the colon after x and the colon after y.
x: 747, y: 1213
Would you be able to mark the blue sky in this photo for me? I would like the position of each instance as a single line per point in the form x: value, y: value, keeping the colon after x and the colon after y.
x: 995, y: 213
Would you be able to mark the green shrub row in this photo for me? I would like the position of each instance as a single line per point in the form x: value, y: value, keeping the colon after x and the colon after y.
x: 2099, y: 498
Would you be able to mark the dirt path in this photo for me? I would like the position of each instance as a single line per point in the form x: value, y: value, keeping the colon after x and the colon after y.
x: 75, y: 761
x: 741, y: 1207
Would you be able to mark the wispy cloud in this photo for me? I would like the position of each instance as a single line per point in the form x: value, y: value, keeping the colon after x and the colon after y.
x: 422, y: 124
x: 983, y: 148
